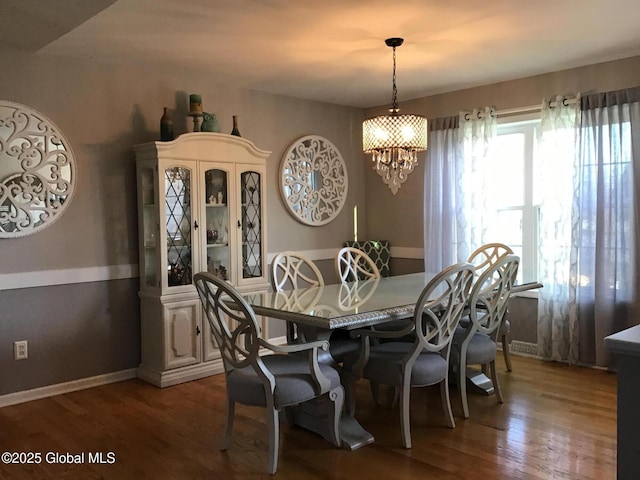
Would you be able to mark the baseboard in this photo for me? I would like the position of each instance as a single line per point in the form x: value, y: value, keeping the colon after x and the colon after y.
x: 66, y: 387
x: 180, y: 375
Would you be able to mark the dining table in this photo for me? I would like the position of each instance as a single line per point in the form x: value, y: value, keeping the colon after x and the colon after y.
x: 319, y: 310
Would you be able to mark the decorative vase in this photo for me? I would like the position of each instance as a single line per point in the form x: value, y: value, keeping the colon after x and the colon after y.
x: 210, y: 123
x: 235, y: 130
x: 166, y: 127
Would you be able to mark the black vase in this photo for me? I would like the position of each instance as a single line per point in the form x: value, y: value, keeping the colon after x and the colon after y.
x: 166, y: 127
x: 235, y: 130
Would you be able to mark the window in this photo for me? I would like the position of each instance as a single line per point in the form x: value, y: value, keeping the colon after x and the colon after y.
x: 512, y: 192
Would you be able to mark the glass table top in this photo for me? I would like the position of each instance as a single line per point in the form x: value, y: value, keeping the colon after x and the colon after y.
x: 344, y: 305
x: 351, y: 304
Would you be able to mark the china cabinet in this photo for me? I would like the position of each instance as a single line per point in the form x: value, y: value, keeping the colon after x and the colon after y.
x: 201, y: 207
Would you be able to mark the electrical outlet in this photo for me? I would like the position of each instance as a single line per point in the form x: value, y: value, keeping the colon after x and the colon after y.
x: 20, y: 350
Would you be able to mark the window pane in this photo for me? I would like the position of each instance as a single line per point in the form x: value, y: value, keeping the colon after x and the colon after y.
x: 507, y: 178
x: 507, y: 229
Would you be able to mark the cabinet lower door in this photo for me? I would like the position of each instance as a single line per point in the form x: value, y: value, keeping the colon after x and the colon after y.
x: 182, y: 333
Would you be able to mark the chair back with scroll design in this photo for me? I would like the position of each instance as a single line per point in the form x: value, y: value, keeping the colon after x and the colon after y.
x: 354, y: 264
x: 291, y: 270
x: 487, y: 255
x: 483, y: 258
x: 276, y: 382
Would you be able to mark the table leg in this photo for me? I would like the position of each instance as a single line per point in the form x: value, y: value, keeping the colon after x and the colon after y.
x: 352, y: 434
x: 478, y: 382
x: 313, y: 414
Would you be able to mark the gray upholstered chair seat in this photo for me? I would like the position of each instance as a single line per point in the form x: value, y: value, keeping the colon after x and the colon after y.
x: 385, y: 365
x: 505, y: 327
x: 480, y: 350
x: 294, y: 384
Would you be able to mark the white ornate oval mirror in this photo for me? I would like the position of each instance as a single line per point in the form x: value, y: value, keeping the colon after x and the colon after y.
x: 37, y: 171
x: 313, y: 180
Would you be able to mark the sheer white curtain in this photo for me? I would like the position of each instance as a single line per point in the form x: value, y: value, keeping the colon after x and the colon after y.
x: 477, y: 131
x: 557, y: 140
x: 605, y: 226
x: 443, y: 170
x: 456, y: 179
x: 589, y: 230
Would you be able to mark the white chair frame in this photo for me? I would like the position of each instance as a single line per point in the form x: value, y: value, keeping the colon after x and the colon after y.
x: 487, y: 306
x: 289, y: 270
x: 483, y: 258
x: 354, y: 264
x: 238, y: 336
x: 435, y: 319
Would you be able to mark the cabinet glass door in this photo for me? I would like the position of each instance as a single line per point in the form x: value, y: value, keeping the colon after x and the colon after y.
x: 149, y: 260
x: 178, y: 221
x: 251, y: 219
x: 216, y: 203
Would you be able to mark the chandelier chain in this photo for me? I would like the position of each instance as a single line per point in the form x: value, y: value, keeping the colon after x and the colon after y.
x: 394, y: 102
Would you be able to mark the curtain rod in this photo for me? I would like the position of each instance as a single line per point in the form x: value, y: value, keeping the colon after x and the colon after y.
x: 530, y: 108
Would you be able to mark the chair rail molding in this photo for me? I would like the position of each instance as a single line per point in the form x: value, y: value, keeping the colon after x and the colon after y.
x: 47, y: 278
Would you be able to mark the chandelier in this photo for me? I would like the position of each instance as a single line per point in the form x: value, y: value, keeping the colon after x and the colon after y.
x: 394, y: 140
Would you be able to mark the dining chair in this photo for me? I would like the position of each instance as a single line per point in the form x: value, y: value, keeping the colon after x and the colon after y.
x: 423, y: 362
x: 483, y: 258
x: 271, y: 381
x: 291, y: 270
x: 354, y: 264
x: 475, y: 344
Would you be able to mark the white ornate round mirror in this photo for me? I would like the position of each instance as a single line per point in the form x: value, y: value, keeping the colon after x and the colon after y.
x: 313, y: 180
x: 37, y: 171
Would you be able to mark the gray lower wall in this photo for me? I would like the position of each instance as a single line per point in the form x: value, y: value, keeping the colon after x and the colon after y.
x: 523, y: 315
x: 74, y: 331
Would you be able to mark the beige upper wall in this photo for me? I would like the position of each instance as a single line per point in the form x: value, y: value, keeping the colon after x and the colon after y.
x: 399, y: 218
x: 103, y: 111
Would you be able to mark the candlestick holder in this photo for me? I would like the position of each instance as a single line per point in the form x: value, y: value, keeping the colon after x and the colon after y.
x: 197, y: 120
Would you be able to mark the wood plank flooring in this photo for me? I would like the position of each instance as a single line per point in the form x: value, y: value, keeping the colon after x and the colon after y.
x: 557, y: 422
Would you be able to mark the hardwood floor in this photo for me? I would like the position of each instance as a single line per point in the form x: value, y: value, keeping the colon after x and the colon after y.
x: 557, y: 422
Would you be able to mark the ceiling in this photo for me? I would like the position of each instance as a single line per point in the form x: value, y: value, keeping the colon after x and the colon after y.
x: 332, y: 50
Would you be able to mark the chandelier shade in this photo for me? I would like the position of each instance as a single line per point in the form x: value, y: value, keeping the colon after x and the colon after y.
x: 394, y: 140
x: 408, y: 132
